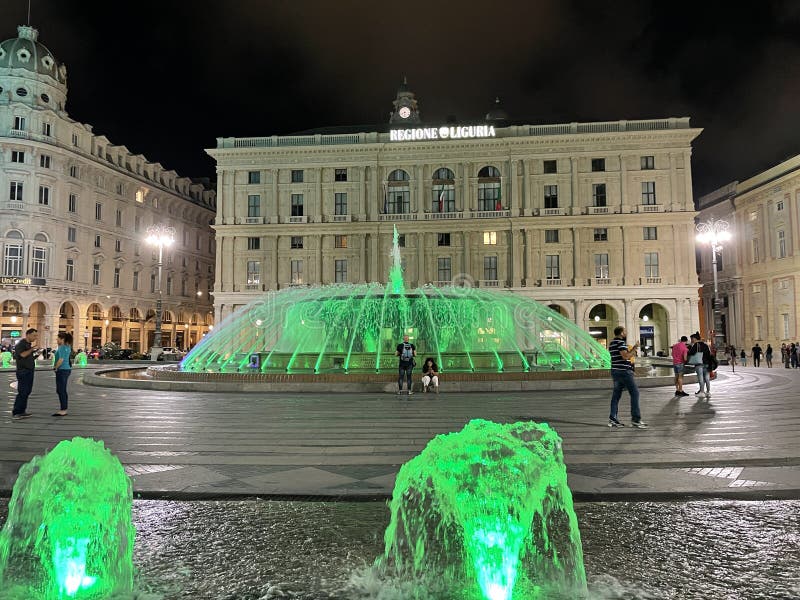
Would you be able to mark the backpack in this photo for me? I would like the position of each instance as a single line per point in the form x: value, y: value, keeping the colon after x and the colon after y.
x: 407, y: 355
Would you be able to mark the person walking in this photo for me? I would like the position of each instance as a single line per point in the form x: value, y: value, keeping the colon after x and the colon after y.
x: 793, y: 355
x: 700, y: 356
x: 785, y: 355
x: 768, y: 356
x: 756, y: 353
x: 680, y: 354
x: 406, y: 351
x: 63, y: 368
x: 743, y: 358
x: 25, y: 355
x: 622, y: 375
x: 430, y: 375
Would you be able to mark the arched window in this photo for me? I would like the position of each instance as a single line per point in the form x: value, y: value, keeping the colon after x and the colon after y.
x: 135, y: 315
x: 167, y: 317
x: 95, y: 312
x: 444, y: 191
x: 12, y: 254
x: 11, y: 307
x: 398, y: 194
x: 489, y: 189
x: 116, y: 313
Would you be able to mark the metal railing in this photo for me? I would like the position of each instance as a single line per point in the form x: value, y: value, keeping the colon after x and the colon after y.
x: 438, y: 216
x: 490, y: 214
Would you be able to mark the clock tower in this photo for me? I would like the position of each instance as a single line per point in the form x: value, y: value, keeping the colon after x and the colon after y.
x: 405, y: 106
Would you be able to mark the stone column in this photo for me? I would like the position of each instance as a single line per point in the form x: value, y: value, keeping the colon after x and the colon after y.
x: 673, y: 183
x: 417, y: 188
x: 577, y: 275
x: 631, y: 322
x: 320, y: 211
x: 362, y: 268
x: 574, y: 190
x: 465, y: 177
x: 623, y: 183
x: 526, y: 188
x: 529, y: 278
x: 275, y: 201
x: 365, y: 211
x: 373, y: 258
x: 372, y: 185
x: 320, y: 259
x: 516, y: 258
x: 273, y: 248
x: 421, y: 271
x: 627, y: 276
x: 51, y: 324
x: 228, y: 251
x: 513, y: 202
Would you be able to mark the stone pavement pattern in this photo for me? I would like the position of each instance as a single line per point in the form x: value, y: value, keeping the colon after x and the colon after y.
x: 744, y: 442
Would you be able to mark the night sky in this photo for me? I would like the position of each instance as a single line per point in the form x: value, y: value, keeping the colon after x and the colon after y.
x: 166, y: 78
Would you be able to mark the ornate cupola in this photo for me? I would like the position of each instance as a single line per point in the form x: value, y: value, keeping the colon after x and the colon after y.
x: 405, y: 106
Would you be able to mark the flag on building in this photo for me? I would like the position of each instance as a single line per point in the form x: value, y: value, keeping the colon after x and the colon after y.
x: 441, y: 201
x: 499, y: 204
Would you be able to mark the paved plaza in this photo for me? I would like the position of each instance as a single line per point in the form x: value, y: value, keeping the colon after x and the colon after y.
x: 742, y: 442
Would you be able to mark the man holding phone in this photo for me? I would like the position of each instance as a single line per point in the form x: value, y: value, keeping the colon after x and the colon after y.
x: 25, y: 354
x: 622, y: 374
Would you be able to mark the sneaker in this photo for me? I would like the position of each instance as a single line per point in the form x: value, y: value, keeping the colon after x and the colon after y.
x: 437, y: 389
x: 615, y: 423
x: 410, y: 393
x: 399, y: 392
x: 19, y: 416
x: 682, y: 394
x: 639, y: 424
x: 701, y: 394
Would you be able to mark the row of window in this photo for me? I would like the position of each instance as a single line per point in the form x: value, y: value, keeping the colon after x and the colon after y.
x: 445, y: 174
x: 397, y: 199
x: 551, y: 236
x: 786, y: 329
x: 445, y: 273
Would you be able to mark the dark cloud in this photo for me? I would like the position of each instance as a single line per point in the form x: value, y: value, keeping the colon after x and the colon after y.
x: 165, y: 78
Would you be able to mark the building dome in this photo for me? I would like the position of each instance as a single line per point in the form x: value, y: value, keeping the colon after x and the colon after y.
x: 25, y: 52
x: 497, y: 114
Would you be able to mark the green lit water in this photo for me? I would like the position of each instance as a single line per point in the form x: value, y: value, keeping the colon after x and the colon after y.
x: 488, y: 507
x: 68, y: 533
x: 355, y: 328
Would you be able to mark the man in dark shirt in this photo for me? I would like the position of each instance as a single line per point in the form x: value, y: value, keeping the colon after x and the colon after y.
x: 406, y: 351
x: 622, y: 374
x: 756, y: 350
x: 25, y: 355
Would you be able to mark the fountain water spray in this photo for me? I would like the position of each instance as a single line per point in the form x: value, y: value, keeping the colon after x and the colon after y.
x: 488, y: 508
x: 69, y: 532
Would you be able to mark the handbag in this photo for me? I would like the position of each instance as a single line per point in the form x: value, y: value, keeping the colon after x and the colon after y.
x: 695, y: 359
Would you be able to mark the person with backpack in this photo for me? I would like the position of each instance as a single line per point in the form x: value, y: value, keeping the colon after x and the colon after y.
x: 406, y: 351
x: 62, y: 365
x: 704, y: 362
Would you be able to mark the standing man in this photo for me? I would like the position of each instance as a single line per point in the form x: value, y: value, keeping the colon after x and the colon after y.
x: 406, y: 351
x: 680, y: 354
x: 622, y: 374
x: 756, y: 350
x: 25, y: 355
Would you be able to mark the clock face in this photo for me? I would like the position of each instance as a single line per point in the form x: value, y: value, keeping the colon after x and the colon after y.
x: 404, y: 112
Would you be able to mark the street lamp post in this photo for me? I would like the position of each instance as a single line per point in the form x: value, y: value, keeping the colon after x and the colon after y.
x: 159, y: 235
x: 713, y: 232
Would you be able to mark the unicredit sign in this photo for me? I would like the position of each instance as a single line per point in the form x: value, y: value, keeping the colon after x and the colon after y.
x: 456, y: 132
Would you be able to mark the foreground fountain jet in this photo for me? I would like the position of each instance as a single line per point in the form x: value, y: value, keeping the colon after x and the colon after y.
x: 69, y: 533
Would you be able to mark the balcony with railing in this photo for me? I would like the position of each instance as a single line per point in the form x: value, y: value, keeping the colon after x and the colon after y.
x: 297, y: 219
x: 398, y: 217
x: 651, y: 208
x: 490, y: 214
x: 443, y: 216
x: 443, y: 283
x: 597, y: 210
x: 650, y: 281
x: 19, y: 133
x: 552, y: 282
x: 489, y: 283
x: 14, y: 205
x: 600, y: 281
x: 553, y: 212
x: 255, y: 220
x: 340, y: 218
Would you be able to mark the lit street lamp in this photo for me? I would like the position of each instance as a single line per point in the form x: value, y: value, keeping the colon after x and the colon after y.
x: 713, y: 232
x: 159, y: 235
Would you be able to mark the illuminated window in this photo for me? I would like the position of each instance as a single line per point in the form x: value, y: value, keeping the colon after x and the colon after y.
x: 489, y: 238
x: 340, y: 241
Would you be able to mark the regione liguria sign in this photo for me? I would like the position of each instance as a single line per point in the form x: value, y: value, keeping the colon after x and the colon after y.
x: 445, y: 132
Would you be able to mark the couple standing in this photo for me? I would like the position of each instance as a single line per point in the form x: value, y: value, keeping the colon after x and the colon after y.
x: 699, y: 356
x: 25, y: 353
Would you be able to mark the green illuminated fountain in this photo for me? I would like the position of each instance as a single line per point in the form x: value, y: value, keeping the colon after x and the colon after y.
x: 488, y: 509
x: 352, y: 328
x: 69, y: 533
x: 81, y: 360
x: 6, y: 358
